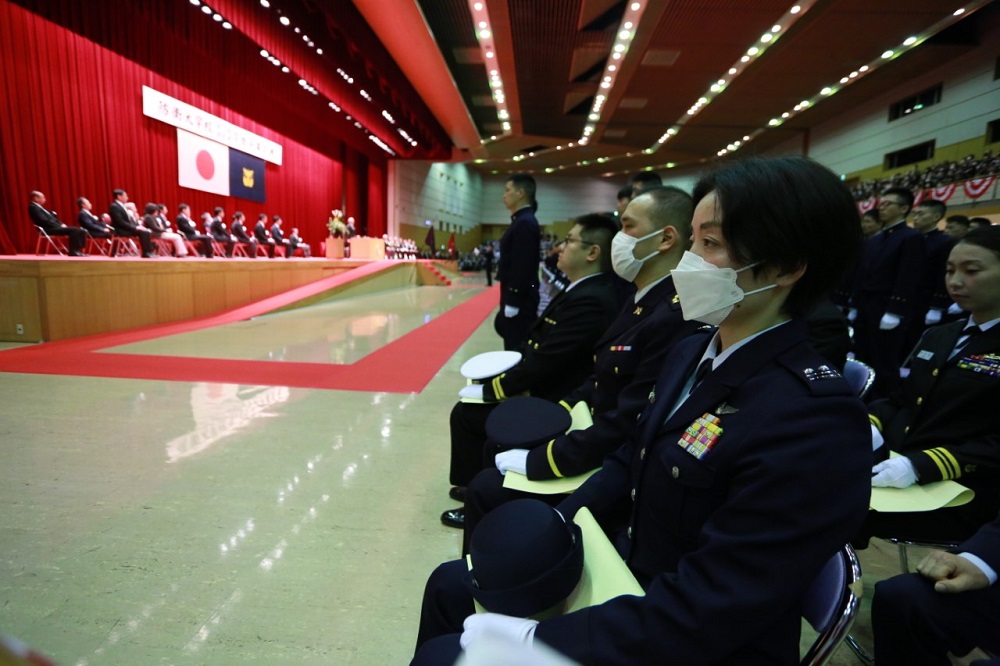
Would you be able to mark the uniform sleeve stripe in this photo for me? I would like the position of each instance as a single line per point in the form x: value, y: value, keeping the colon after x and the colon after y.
x: 566, y: 405
x: 552, y: 460
x: 498, y: 388
x: 942, y: 457
x: 875, y: 422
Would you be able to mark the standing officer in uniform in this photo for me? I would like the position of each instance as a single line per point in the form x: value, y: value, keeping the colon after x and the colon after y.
x: 556, y: 357
x: 518, y: 266
x: 656, y: 230
x: 750, y: 471
x: 943, y: 419
x: 885, y: 285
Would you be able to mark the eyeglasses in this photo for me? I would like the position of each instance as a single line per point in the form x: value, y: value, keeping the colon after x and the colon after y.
x: 886, y: 204
x: 568, y: 240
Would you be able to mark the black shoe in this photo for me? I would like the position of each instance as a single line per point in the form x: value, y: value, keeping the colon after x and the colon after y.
x: 454, y: 518
x: 148, y: 255
x: 457, y: 493
x: 76, y: 253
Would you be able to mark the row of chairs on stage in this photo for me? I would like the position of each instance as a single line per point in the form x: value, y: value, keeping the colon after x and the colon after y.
x: 126, y: 246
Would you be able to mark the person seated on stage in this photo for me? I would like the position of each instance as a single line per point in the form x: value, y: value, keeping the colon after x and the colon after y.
x: 217, y: 230
x: 952, y: 604
x: 240, y: 234
x: 943, y: 420
x: 749, y: 470
x: 125, y: 225
x: 93, y: 225
x: 279, y: 237
x: 656, y: 231
x: 263, y: 236
x: 48, y: 221
x: 185, y: 225
x: 558, y: 352
x: 295, y: 238
x: 151, y: 220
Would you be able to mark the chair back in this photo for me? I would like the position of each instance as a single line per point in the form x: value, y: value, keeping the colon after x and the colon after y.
x: 831, y: 603
x: 859, y: 375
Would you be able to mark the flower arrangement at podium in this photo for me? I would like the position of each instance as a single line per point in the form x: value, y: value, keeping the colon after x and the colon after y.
x: 336, y: 225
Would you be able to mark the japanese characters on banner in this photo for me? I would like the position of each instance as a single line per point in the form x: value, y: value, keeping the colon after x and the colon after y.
x: 183, y: 116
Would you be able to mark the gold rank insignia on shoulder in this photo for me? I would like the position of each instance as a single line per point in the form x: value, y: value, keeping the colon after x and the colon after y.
x: 638, y: 310
x: 676, y: 299
x: 822, y: 372
x: 701, y: 436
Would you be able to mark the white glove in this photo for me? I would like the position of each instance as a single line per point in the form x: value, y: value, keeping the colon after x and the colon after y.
x: 954, y: 309
x: 894, y: 473
x: 852, y: 314
x: 510, y: 311
x: 514, y: 460
x: 471, y: 392
x: 932, y: 317
x: 516, y: 629
x: 889, y: 321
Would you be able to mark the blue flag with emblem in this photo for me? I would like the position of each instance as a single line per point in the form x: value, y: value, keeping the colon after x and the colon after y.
x: 246, y: 176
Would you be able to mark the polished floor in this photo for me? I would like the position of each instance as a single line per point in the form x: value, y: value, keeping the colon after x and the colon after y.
x: 167, y: 522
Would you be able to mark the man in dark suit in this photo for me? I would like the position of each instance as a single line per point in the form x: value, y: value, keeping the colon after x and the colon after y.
x: 558, y: 353
x: 517, y: 269
x: 240, y: 233
x: 931, y: 301
x: 93, y: 225
x: 885, y: 285
x: 628, y: 356
x: 217, y: 230
x: 952, y: 604
x: 45, y: 219
x: 262, y: 235
x: 279, y: 237
x: 124, y: 226
x: 186, y: 227
x: 750, y: 467
x: 943, y: 420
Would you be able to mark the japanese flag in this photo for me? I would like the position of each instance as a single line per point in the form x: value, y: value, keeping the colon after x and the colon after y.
x: 202, y: 164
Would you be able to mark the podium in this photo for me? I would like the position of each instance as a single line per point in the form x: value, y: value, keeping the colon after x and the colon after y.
x: 334, y: 248
x: 365, y: 247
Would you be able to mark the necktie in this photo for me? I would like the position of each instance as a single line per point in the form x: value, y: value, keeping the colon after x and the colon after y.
x: 963, y: 341
x: 703, y: 369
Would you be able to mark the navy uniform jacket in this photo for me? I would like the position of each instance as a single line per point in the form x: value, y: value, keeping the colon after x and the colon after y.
x: 945, y: 417
x: 985, y: 544
x: 726, y: 545
x: 627, y: 359
x: 556, y: 357
x: 888, y: 273
x: 517, y: 270
x: 932, y: 292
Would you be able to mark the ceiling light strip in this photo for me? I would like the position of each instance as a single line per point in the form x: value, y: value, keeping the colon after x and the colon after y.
x: 483, y: 28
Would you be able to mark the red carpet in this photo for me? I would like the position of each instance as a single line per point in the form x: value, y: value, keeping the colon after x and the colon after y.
x: 403, y: 366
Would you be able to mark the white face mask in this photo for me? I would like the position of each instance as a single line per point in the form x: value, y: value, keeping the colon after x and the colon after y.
x: 707, y: 292
x: 622, y: 254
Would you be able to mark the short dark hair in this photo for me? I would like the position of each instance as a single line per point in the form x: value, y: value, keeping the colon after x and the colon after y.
x: 80, y: 200
x: 959, y: 219
x: 276, y: 218
x: 182, y: 207
x: 117, y: 193
x: 789, y: 213
x: 238, y: 214
x: 217, y: 210
x: 985, y: 237
x: 625, y: 192
x: 599, y: 229
x: 262, y: 216
x: 161, y: 206
x: 150, y: 208
x: 672, y: 206
x: 977, y: 222
x: 646, y: 177
x: 525, y: 182
x: 938, y: 207
x: 903, y: 193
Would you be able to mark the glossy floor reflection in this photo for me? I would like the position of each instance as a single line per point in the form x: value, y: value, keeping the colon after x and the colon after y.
x: 155, y: 522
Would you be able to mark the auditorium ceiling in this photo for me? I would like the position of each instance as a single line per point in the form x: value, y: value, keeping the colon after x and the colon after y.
x: 693, y: 79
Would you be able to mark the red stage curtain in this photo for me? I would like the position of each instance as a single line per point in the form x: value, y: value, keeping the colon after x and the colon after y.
x: 72, y: 123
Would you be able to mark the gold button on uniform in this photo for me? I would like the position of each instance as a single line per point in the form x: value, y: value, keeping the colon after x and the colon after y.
x: 633, y: 494
x: 906, y: 430
x: 920, y: 401
x: 675, y: 472
x: 935, y: 373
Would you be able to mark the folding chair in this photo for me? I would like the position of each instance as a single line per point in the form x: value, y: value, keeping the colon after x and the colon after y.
x: 860, y: 376
x: 46, y: 242
x: 124, y: 246
x: 240, y: 250
x: 831, y: 604
x: 99, y: 245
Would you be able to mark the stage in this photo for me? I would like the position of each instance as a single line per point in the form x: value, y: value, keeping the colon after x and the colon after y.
x: 48, y: 298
